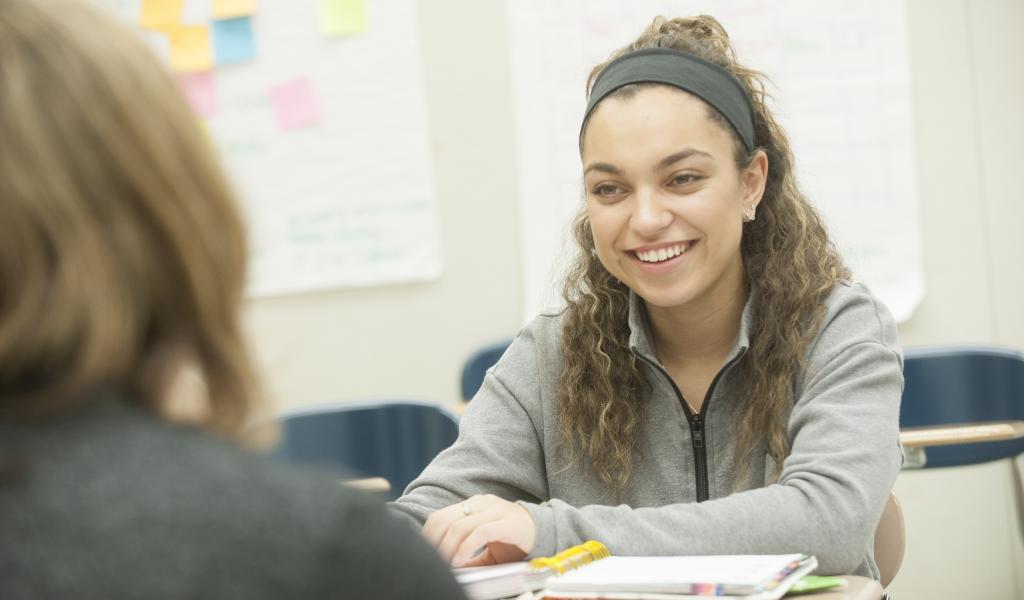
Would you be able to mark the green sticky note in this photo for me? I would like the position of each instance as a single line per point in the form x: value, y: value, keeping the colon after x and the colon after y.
x: 342, y: 17
x: 816, y: 583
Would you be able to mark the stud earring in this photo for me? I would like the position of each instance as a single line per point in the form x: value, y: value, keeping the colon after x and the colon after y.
x: 749, y: 215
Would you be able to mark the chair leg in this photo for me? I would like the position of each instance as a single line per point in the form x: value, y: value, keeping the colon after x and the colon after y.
x: 1018, y: 473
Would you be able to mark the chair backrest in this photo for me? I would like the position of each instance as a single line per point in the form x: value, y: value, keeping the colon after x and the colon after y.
x: 476, y: 366
x: 890, y: 540
x: 394, y: 439
x: 946, y: 386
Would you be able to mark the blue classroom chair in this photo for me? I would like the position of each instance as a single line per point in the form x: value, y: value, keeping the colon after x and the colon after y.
x: 393, y: 439
x: 955, y: 386
x: 964, y: 406
x: 476, y: 366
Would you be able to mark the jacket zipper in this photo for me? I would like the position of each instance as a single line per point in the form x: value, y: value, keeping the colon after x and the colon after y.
x: 696, y: 421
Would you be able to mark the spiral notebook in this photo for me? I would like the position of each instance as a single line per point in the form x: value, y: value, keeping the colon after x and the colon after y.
x: 513, y: 579
x: 751, y: 577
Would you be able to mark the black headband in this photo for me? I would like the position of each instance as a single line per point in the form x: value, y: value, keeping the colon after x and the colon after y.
x: 708, y: 81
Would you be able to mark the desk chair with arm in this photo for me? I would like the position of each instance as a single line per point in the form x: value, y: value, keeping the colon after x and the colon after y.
x: 962, y: 406
x: 954, y: 398
x: 389, y: 439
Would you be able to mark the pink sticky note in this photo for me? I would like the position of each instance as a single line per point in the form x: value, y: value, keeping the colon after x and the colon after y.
x: 294, y: 104
x: 200, y: 91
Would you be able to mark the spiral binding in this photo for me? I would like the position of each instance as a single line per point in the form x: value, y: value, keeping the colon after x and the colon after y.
x: 574, y: 557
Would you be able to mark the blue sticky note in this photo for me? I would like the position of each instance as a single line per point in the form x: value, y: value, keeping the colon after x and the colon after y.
x: 233, y: 40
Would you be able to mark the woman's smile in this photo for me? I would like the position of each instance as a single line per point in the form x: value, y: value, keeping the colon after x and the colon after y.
x: 662, y: 258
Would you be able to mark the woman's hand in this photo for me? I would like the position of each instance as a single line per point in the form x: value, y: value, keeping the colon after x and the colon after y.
x: 483, y: 530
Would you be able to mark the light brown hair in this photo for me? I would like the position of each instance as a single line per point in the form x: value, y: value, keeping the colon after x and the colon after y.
x: 122, y: 251
x: 787, y: 256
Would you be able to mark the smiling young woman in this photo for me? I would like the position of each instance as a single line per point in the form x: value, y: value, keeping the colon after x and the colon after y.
x: 715, y: 383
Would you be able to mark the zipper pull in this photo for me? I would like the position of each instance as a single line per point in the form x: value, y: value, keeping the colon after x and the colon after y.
x: 698, y: 435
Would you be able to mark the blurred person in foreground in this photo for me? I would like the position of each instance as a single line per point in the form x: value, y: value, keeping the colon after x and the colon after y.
x: 125, y: 384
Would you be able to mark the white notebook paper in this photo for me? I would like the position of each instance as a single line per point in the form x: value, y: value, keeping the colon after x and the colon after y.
x: 500, y: 581
x: 747, y: 576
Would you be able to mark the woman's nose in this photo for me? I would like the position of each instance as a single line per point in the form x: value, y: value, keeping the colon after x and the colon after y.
x: 650, y: 214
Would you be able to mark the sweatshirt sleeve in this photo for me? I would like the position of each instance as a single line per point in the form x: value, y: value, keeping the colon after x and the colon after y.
x: 499, y: 449
x: 844, y: 458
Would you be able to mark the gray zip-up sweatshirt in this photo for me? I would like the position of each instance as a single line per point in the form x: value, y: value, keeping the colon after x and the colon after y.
x: 843, y: 430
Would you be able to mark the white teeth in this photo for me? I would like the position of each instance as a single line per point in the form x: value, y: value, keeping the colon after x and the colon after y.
x: 651, y: 256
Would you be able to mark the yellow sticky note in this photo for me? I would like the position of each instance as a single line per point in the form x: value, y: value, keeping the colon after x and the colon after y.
x: 229, y: 9
x: 191, y: 49
x: 342, y: 17
x: 159, y: 14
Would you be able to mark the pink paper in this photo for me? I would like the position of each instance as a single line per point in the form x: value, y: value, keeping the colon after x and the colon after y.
x: 294, y: 104
x: 200, y: 91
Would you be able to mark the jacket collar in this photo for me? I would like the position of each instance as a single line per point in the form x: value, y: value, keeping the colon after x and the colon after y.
x: 641, y: 341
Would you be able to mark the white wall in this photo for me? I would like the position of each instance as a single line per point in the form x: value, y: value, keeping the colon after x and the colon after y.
x: 967, y: 61
x: 968, y: 83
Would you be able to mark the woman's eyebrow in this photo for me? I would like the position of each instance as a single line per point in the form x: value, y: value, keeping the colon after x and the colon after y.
x: 666, y: 162
x: 663, y: 163
x: 682, y: 154
x: 603, y: 167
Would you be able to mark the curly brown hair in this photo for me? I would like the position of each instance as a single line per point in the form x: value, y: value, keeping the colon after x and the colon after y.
x: 788, y: 258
